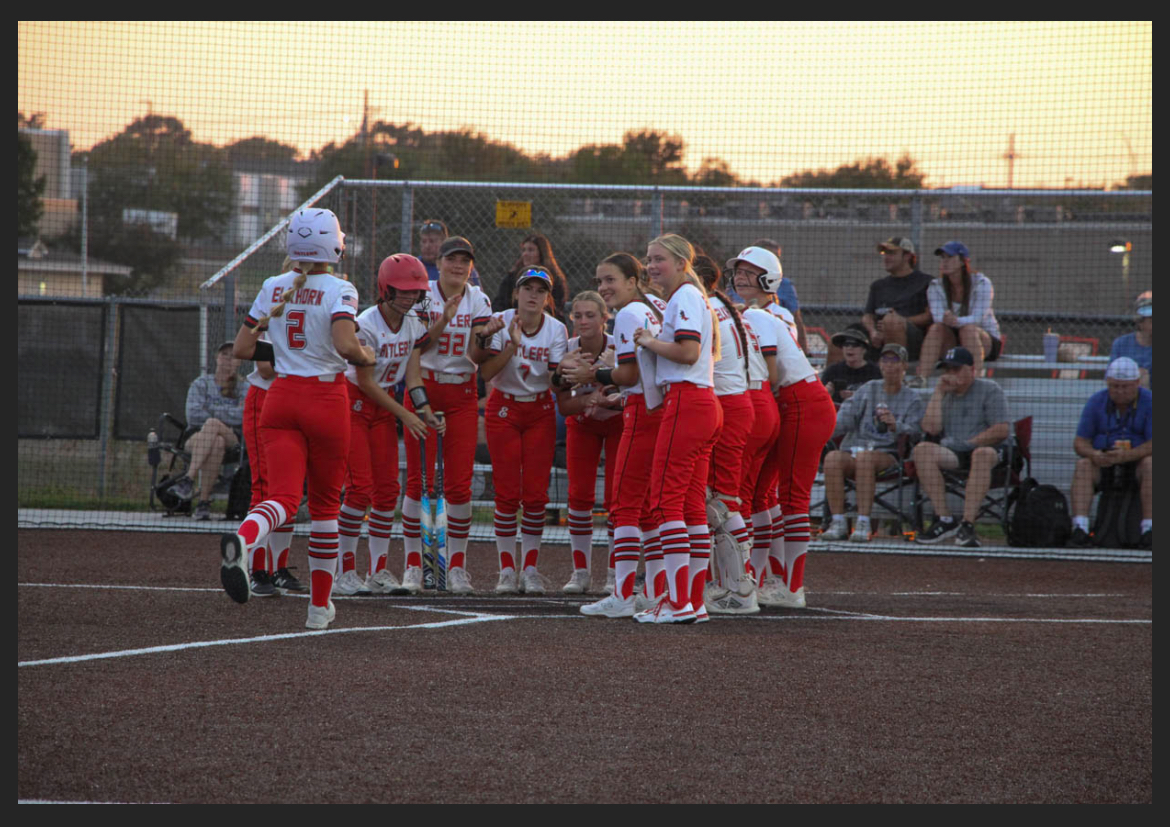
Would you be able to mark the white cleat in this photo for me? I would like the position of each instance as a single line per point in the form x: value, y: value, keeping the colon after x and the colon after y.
x: 232, y: 572
x: 459, y: 581
x: 701, y: 615
x: 320, y: 618
x: 383, y: 582
x: 533, y: 582
x: 578, y: 583
x: 723, y: 601
x: 642, y: 602
x: 507, y: 584
x: 349, y: 584
x: 664, y: 612
x: 775, y: 593
x: 412, y: 581
x: 612, y: 606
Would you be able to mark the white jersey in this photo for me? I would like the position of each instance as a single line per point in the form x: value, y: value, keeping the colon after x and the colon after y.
x: 762, y: 329
x: 448, y: 354
x: 731, y: 369
x: 634, y: 315
x: 302, y: 336
x: 254, y: 378
x: 391, y: 347
x: 600, y: 414
x: 688, y: 318
x: 530, y: 369
x: 791, y: 363
x: 785, y: 315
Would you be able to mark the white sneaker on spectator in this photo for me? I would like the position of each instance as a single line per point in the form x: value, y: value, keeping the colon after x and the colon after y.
x: 838, y: 529
x: 320, y: 618
x: 349, y: 583
x: 459, y: 581
x: 610, y: 581
x: 507, y: 582
x: 578, y: 583
x: 612, y: 606
x: 533, y: 581
x: 861, y: 532
x: 382, y: 582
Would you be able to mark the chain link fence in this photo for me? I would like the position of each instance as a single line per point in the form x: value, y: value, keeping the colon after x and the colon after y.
x: 97, y: 373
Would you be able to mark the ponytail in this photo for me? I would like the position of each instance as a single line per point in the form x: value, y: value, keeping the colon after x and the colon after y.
x: 278, y: 309
x: 739, y: 329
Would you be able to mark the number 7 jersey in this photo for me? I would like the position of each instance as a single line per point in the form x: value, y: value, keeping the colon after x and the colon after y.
x: 448, y: 352
x: 303, y: 335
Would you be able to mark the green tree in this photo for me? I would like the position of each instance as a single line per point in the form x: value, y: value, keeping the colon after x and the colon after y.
x: 155, y: 165
x: 260, y: 149
x: 867, y: 173
x: 29, y: 189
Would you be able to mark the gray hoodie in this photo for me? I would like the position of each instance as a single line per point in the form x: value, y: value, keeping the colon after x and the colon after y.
x: 857, y: 417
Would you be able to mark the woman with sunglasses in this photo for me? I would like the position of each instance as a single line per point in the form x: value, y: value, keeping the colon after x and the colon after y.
x: 397, y: 333
x: 622, y: 283
x: 686, y: 350
x: 593, y: 423
x: 458, y: 312
x: 518, y: 352
x: 807, y: 419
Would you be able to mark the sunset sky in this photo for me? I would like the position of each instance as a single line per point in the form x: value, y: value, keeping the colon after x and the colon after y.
x: 768, y: 98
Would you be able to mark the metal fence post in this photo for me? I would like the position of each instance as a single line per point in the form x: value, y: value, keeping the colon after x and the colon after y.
x: 229, y: 308
x: 406, y: 235
x: 656, y: 213
x: 107, y: 405
x: 916, y: 223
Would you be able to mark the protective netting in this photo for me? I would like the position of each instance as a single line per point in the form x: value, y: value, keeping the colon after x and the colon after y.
x: 154, y: 158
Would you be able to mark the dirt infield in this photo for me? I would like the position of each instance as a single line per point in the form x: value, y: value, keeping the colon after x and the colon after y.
x: 908, y: 679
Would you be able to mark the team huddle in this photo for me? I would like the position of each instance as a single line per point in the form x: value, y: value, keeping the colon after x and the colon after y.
x: 710, y: 417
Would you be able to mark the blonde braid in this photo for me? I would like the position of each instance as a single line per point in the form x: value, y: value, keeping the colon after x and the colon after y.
x: 278, y: 309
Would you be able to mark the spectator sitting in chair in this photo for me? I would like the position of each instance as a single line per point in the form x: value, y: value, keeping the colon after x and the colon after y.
x: 1122, y: 413
x: 970, y: 417
x: 872, y: 421
x: 215, y: 406
x: 1139, y: 345
x: 843, y: 378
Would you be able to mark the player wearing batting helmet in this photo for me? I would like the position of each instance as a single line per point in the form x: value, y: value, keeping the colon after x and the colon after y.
x: 807, y: 420
x: 310, y: 317
x: 396, y: 331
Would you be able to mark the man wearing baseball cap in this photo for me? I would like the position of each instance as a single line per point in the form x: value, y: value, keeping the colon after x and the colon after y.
x: 841, y: 379
x: 1139, y: 345
x: 896, y: 309
x: 969, y: 419
x: 1116, y: 429
x: 431, y: 235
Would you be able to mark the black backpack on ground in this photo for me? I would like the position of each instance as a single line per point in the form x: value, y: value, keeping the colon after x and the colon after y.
x: 1037, y: 516
x: 1119, y: 511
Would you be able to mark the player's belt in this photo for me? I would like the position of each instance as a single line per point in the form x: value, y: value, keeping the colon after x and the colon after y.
x: 666, y: 388
x: 531, y: 398
x: 809, y: 378
x: 756, y: 385
x: 324, y: 377
x: 447, y: 378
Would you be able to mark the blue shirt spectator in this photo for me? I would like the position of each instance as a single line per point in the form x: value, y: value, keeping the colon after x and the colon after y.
x: 1102, y: 424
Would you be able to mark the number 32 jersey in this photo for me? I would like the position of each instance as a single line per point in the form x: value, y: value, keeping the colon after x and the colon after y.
x: 448, y: 352
x: 303, y: 335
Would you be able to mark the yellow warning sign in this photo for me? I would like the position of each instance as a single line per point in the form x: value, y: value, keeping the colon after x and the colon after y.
x: 514, y: 214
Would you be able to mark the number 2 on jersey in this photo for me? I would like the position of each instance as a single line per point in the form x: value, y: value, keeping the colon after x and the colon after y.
x: 295, y: 329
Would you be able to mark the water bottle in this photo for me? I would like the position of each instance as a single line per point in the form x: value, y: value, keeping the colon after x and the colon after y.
x: 882, y: 427
x: 152, y: 452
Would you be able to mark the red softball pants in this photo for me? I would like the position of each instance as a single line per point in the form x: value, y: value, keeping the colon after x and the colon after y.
x: 691, y: 421
x: 632, y: 464
x: 459, y: 404
x: 584, y: 440
x: 807, y: 420
x: 372, y: 475
x: 522, y: 438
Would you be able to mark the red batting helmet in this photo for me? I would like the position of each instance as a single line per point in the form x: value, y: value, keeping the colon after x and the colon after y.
x: 401, y: 271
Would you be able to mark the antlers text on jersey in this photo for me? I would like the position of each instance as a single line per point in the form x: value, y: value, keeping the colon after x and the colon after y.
x: 392, y: 349
x: 306, y: 295
x: 535, y: 354
x: 460, y: 319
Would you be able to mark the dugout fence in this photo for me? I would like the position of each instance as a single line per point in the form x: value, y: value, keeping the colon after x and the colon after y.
x: 95, y: 373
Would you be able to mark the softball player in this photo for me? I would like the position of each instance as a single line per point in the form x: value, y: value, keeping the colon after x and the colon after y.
x: 458, y: 311
x: 623, y: 285
x: 807, y: 419
x: 310, y: 314
x: 730, y: 459
x: 397, y: 333
x: 687, y: 348
x: 593, y: 421
x: 526, y: 346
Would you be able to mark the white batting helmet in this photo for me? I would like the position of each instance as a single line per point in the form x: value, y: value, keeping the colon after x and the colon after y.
x: 315, y: 235
x: 769, y: 280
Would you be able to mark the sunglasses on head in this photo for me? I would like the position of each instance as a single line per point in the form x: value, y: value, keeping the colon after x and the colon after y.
x: 432, y: 227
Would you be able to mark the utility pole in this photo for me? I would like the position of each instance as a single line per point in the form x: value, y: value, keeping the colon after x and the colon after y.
x: 1011, y: 157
